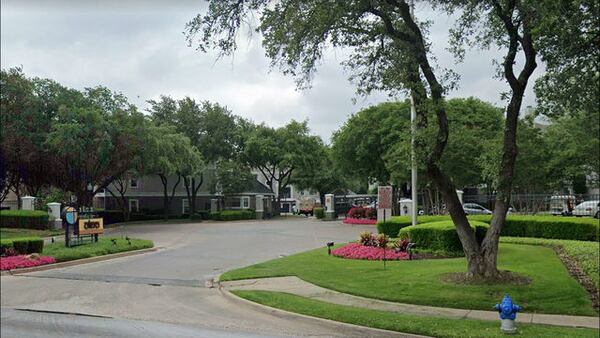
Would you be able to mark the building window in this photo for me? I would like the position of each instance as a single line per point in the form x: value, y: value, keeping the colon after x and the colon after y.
x: 286, y: 192
x: 185, y: 206
x: 133, y: 183
x: 134, y: 206
x: 245, y: 202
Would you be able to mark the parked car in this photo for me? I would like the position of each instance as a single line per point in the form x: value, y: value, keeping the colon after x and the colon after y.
x: 561, y: 205
x: 475, y: 209
x: 588, y: 208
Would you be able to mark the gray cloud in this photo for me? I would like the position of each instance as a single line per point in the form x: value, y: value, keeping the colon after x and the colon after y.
x: 138, y: 48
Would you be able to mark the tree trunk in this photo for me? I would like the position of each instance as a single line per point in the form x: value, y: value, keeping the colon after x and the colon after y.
x: 165, y: 197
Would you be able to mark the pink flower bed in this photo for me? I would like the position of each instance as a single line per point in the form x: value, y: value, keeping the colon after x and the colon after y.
x: 357, y: 251
x: 14, y: 262
x: 350, y: 220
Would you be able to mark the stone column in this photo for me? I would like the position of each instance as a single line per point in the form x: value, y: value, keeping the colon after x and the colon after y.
x: 28, y: 203
x: 214, y: 205
x: 260, y: 208
x: 54, y: 215
x: 330, y: 207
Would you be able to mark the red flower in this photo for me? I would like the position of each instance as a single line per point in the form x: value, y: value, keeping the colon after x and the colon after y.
x: 14, y: 262
x: 357, y: 251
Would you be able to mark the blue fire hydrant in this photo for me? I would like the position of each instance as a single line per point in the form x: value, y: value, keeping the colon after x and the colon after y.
x: 508, y: 314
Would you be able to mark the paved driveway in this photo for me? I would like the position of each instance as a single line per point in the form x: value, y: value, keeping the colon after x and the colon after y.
x: 145, y: 295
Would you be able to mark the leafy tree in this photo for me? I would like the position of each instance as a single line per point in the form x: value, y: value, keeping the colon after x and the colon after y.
x: 388, y: 50
x: 279, y: 153
x: 573, y: 142
x: 95, y: 142
x: 210, y: 127
x: 568, y: 40
x: 233, y: 177
x: 169, y: 154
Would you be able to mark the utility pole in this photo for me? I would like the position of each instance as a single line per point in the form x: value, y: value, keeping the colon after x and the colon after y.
x: 413, y: 174
x: 413, y: 129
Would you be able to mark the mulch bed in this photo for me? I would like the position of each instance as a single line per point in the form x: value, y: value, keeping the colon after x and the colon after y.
x: 505, y: 277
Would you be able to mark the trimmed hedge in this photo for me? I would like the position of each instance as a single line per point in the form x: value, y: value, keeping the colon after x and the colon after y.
x: 319, y: 213
x: 24, y: 245
x: 28, y: 219
x: 233, y: 215
x: 392, y: 227
x: 440, y: 236
x: 552, y: 227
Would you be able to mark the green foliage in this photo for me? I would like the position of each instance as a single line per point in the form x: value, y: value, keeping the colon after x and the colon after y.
x: 7, y: 233
x: 582, y: 229
x: 232, y: 215
x: 319, y: 213
x: 392, y: 226
x: 586, y: 254
x: 402, y: 322
x: 233, y: 177
x: 30, y: 219
x: 440, y: 236
x: 104, y: 246
x: 421, y: 282
x: 23, y: 245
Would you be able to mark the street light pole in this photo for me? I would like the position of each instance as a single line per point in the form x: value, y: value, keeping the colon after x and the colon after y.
x: 413, y: 129
x: 413, y: 176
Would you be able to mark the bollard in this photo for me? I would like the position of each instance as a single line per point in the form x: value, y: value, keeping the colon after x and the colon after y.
x: 508, y: 314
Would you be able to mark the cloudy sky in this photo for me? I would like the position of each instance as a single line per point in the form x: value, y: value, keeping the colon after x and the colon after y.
x: 139, y: 49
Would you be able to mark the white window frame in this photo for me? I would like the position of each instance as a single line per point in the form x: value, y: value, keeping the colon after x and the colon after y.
x: 245, y: 202
x: 137, y: 205
x: 185, y: 203
x: 137, y: 183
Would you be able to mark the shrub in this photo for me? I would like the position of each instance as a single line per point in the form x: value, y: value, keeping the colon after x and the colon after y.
x: 555, y: 227
x: 23, y: 245
x: 233, y: 215
x: 28, y: 219
x: 395, y: 223
x: 319, y: 213
x: 440, y: 236
x: 401, y: 245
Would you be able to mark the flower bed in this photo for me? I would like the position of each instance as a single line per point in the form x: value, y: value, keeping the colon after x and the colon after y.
x: 14, y: 262
x: 361, y: 215
x: 349, y: 220
x: 358, y: 251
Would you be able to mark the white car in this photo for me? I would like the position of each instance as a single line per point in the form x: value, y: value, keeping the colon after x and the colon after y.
x: 588, y: 208
x: 475, y: 209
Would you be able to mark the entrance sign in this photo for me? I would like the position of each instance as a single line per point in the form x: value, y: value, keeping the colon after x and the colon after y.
x: 384, y: 202
x: 90, y: 226
x: 70, y: 215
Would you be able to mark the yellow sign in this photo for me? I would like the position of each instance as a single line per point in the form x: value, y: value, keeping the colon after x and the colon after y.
x: 89, y: 226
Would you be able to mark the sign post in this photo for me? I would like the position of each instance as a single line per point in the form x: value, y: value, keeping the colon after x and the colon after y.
x: 70, y: 219
x: 384, y: 202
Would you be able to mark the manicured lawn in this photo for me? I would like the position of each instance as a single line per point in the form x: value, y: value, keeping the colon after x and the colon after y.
x: 551, y: 290
x: 104, y: 246
x: 430, y: 326
x: 587, y: 254
x: 6, y: 233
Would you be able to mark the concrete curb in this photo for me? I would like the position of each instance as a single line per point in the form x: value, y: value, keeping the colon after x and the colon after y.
x: 77, y: 262
x: 298, y: 316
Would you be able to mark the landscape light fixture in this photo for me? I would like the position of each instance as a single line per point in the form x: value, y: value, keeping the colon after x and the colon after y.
x: 90, y: 187
x: 329, y: 245
x: 409, y: 248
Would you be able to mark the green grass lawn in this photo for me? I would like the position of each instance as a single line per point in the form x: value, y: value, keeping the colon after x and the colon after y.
x: 104, y: 246
x: 435, y: 327
x: 7, y: 233
x: 551, y: 290
x: 587, y: 254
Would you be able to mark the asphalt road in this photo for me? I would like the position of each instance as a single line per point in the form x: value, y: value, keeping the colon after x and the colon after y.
x: 166, y: 291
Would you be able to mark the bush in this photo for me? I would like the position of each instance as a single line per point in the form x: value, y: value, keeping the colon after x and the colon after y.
x: 392, y: 227
x: 28, y: 219
x: 233, y: 215
x: 361, y: 212
x: 319, y: 213
x: 554, y: 227
x: 24, y: 245
x: 440, y: 236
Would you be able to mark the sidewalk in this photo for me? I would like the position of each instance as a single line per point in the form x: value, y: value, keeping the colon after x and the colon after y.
x: 295, y: 285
